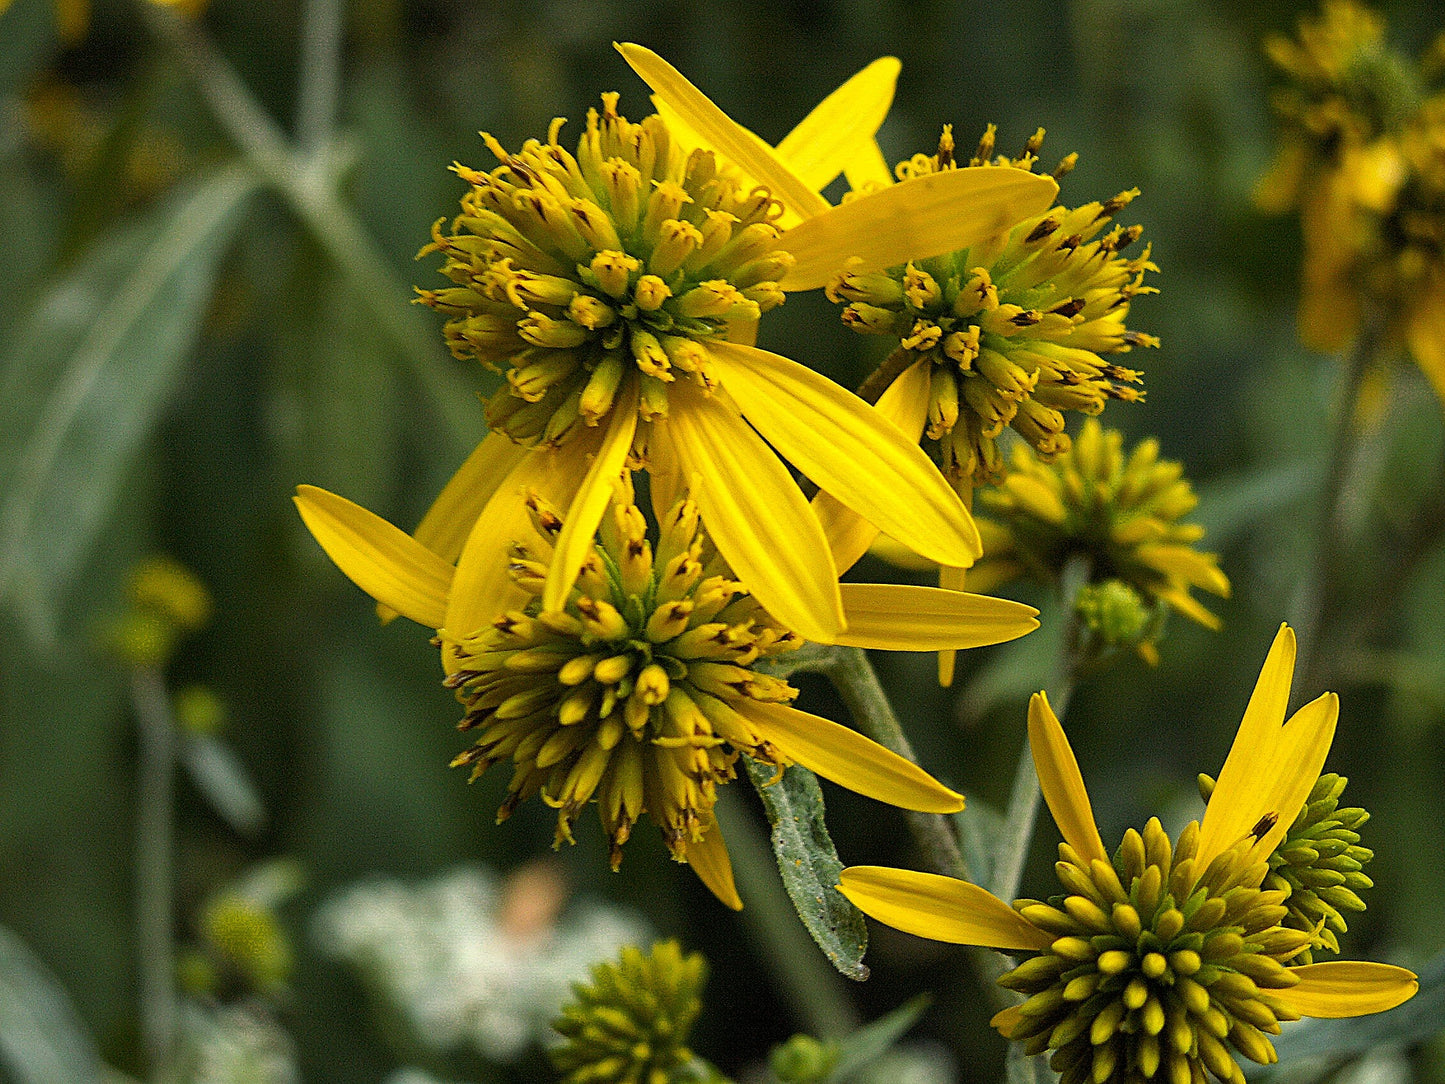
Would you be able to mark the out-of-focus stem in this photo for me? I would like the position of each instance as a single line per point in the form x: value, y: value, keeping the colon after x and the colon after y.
x: 154, y: 874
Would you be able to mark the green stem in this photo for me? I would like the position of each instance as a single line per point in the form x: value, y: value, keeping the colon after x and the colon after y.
x: 1318, y: 593
x: 857, y: 683
x: 154, y: 875
x: 312, y: 197
x: 320, y: 87
x: 803, y: 975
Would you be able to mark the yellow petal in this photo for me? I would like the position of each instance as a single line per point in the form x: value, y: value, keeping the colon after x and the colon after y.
x: 949, y: 579
x: 579, y: 523
x: 709, y: 860
x: 868, y: 169
x: 848, y: 758
x: 482, y: 590
x: 922, y: 217
x: 903, y: 617
x: 841, y: 126
x: 850, y: 450
x: 720, y: 132
x: 1186, y: 564
x: 1343, y: 988
x: 905, y: 404
x: 1426, y: 336
x: 755, y: 514
x: 384, y: 561
x: 1061, y: 781
x: 1180, y: 599
x: 445, y: 527
x: 1238, y: 801
x: 942, y: 908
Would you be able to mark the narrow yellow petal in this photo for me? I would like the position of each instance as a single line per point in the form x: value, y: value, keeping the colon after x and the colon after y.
x: 1342, y: 988
x: 1061, y: 781
x: 579, y: 524
x: 1187, y: 564
x: 841, y: 125
x: 755, y: 514
x: 942, y: 908
x: 1181, y: 600
x: 848, y: 758
x: 949, y: 579
x: 483, y: 590
x: 1425, y: 334
x: 709, y: 860
x: 720, y: 132
x: 905, y: 404
x: 850, y: 450
x: 922, y: 217
x: 1232, y: 811
x: 384, y: 561
x: 904, y: 617
x: 868, y: 169
x: 445, y: 527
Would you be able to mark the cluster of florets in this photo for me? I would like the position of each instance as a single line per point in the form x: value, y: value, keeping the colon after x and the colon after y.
x: 628, y: 694
x: 1015, y: 330
x: 587, y: 278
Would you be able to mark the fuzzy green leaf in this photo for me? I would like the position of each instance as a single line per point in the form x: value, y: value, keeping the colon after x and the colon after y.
x: 41, y: 1036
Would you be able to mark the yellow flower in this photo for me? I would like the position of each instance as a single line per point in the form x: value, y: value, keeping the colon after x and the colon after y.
x: 1168, y: 959
x: 1008, y: 332
x: 1122, y: 513
x: 72, y: 17
x: 640, y: 690
x: 620, y: 289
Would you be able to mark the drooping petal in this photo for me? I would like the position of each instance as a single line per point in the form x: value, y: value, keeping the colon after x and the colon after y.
x: 923, y: 217
x: 949, y: 579
x: 482, y: 590
x: 1233, y: 810
x: 942, y: 908
x: 1061, y: 781
x: 383, y: 560
x: 905, y: 404
x: 709, y: 860
x: 1180, y: 599
x: 448, y: 522
x: 720, y: 132
x: 755, y: 514
x: 579, y: 524
x: 1341, y: 988
x: 848, y: 758
x: 1425, y: 335
x: 850, y: 450
x: 904, y: 617
x: 838, y: 129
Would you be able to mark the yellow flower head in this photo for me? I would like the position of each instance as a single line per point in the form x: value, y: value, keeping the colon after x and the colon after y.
x: 165, y: 601
x: 1167, y: 959
x: 640, y: 691
x: 620, y: 289
x: 631, y: 1023
x: 1123, y: 513
x: 1010, y: 331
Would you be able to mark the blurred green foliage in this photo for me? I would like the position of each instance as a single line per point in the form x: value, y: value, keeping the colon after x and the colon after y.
x: 184, y: 338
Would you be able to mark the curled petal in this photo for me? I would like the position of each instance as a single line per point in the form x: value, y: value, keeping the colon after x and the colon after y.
x: 942, y: 908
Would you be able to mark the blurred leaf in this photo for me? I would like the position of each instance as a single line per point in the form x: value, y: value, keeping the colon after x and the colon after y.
x: 866, y: 1045
x: 1232, y: 505
x: 140, y: 328
x: 27, y: 40
x: 41, y: 1036
x: 980, y: 829
x: 221, y: 777
x: 1022, y: 1069
x: 809, y: 864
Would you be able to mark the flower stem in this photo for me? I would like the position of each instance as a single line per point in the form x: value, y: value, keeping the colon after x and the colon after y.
x: 890, y: 370
x: 154, y: 875
x: 320, y: 75
x: 803, y: 975
x: 1315, y: 606
x: 853, y: 676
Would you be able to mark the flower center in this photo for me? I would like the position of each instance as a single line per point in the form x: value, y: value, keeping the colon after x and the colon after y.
x: 624, y: 695
x: 579, y: 275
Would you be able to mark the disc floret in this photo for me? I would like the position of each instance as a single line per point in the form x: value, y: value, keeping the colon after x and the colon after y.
x: 1158, y: 969
x: 580, y: 276
x: 628, y: 694
x: 1014, y: 330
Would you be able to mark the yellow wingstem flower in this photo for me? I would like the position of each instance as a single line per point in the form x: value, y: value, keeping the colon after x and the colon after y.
x: 642, y: 688
x: 619, y: 289
x: 1169, y: 959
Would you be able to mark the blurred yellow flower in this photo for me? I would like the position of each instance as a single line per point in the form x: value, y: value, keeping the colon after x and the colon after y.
x: 1168, y: 959
x: 72, y: 17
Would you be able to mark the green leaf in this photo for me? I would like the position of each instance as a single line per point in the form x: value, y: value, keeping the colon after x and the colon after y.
x: 111, y: 381
x: 220, y: 776
x: 810, y: 866
x: 865, y: 1046
x: 980, y: 832
x: 1022, y: 1069
x: 41, y: 1036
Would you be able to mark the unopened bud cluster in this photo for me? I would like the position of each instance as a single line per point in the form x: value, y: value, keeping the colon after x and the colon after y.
x: 1016, y: 329
x: 592, y: 277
